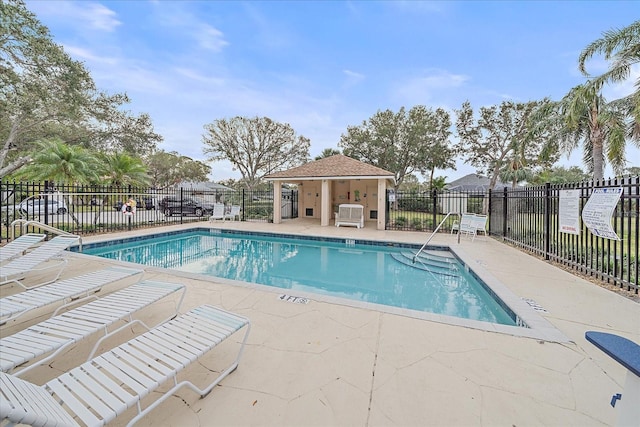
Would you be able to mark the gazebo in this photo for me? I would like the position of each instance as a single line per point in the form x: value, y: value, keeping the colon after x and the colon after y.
x: 325, y: 184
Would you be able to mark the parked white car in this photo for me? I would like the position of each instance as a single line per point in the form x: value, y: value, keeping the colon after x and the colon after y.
x: 38, y: 206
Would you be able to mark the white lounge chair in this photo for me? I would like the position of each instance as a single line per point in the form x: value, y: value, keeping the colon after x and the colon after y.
x: 351, y: 215
x: 218, y: 212
x: 479, y: 225
x: 54, y: 335
x: 20, y: 245
x: 16, y: 269
x: 77, y: 288
x: 233, y: 213
x: 99, y: 390
x: 466, y: 225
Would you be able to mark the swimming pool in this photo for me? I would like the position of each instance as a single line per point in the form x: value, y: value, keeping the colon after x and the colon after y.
x: 374, y: 272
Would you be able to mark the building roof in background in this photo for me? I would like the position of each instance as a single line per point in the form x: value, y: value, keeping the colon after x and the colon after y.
x: 202, y: 186
x: 337, y: 166
x: 473, y: 182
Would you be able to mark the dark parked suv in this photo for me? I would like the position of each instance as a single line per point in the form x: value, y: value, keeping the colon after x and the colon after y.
x: 188, y: 206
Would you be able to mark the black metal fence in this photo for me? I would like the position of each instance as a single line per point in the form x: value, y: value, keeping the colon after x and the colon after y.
x: 525, y: 217
x: 529, y: 218
x: 100, y: 209
x: 424, y: 211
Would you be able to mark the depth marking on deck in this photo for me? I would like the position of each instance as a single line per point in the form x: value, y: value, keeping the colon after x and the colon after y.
x: 535, y: 305
x: 295, y: 300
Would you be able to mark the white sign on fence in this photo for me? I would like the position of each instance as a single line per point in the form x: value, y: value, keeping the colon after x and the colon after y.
x: 598, y: 211
x: 569, y: 211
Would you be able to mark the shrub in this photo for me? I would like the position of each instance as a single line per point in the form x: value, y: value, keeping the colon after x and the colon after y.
x: 416, y: 204
x: 258, y: 212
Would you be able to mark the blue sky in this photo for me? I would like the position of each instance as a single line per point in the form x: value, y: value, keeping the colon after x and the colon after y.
x: 325, y: 65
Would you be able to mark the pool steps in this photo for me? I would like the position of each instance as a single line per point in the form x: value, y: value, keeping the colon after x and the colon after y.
x: 429, y: 259
x: 406, y: 258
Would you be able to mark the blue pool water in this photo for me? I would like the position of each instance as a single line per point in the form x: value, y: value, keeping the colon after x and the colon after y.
x: 364, y: 271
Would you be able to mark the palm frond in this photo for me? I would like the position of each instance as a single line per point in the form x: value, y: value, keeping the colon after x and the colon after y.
x: 610, y: 42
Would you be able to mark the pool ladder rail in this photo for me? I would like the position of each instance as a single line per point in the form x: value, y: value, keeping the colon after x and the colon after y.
x: 431, y: 236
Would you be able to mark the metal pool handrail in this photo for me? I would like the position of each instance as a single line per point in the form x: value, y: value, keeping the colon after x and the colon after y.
x: 431, y: 237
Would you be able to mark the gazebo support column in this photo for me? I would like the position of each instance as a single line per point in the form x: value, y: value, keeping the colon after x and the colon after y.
x: 382, y: 208
x: 277, y: 202
x: 325, y: 203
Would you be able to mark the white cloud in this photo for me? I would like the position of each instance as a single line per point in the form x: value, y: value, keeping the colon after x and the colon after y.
x: 84, y: 14
x: 420, y: 89
x: 501, y: 95
x: 101, y: 17
x: 177, y: 16
x: 353, y: 75
x: 352, y: 79
x: 210, y: 38
x: 83, y: 54
x: 194, y: 75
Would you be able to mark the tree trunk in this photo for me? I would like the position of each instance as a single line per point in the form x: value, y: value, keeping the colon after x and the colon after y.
x: 597, y: 146
x: 13, y: 134
x: 597, y: 140
x: 14, y: 166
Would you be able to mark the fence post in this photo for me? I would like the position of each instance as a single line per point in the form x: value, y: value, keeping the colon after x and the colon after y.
x: 126, y: 200
x: 243, y: 209
x: 490, y: 209
x: 434, y: 194
x: 504, y: 213
x: 547, y: 220
x: 387, y: 209
x: 46, y: 201
x: 181, y: 202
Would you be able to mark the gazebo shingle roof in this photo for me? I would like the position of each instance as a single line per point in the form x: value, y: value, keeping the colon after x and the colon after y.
x: 337, y: 166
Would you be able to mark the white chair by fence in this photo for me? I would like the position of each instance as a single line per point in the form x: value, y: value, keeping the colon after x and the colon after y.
x: 479, y: 225
x: 233, y: 213
x: 471, y: 225
x: 99, y: 390
x: 218, y: 212
x: 464, y: 225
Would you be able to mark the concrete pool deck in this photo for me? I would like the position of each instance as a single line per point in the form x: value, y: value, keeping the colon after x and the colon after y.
x: 332, y: 364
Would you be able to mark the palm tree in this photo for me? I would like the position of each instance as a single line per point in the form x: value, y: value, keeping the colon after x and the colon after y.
x: 515, y: 171
x: 123, y: 169
x: 584, y: 117
x: 516, y: 166
x: 56, y: 161
x: 622, y: 48
x: 327, y: 152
